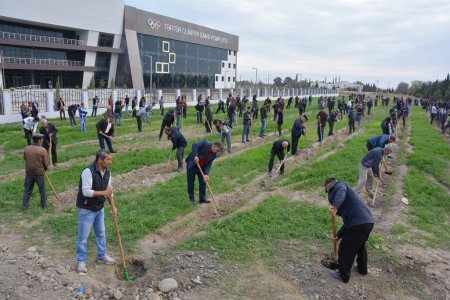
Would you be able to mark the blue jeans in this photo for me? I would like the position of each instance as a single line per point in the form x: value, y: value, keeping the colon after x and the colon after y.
x: 83, y: 124
x: 102, y: 139
x: 177, y: 119
x: 147, y: 118
x: 87, y: 218
x: 118, y: 119
x: 226, y: 136
x: 126, y: 109
x: 191, y: 173
x: 358, y: 119
x: 263, y: 127
x: 245, y: 132
x: 320, y: 130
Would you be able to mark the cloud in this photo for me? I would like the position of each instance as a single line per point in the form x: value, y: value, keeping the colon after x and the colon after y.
x: 389, y: 41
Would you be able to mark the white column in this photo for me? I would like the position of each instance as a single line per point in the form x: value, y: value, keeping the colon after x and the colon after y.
x: 114, y: 95
x: 50, y: 101
x: 231, y: 91
x: 158, y: 95
x: 258, y: 93
x: 208, y: 93
x: 7, y: 109
x: 177, y: 94
x: 194, y: 95
x: 220, y: 93
x: 250, y: 93
x: 241, y: 93
x: 85, y: 97
x: 138, y: 96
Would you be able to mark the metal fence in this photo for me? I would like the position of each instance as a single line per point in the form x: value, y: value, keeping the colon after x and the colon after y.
x: 69, y: 96
x: 38, y: 61
x: 25, y: 96
x: 39, y: 38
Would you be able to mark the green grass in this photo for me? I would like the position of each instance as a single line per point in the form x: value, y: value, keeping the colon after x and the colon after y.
x: 431, y: 151
x: 399, y: 229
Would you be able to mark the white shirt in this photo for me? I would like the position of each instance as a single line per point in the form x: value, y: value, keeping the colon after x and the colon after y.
x: 433, y: 110
x: 108, y: 127
x: 349, y: 103
x: 29, y: 124
x: 86, y: 182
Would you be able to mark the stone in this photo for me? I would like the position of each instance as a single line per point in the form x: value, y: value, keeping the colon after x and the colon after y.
x: 69, y: 289
x: 61, y: 270
x: 196, y: 280
x: 28, y: 272
x: 31, y: 249
x: 167, y: 285
x: 117, y: 294
x: 4, y: 249
x: 153, y: 296
x: 30, y: 255
x: 48, y: 264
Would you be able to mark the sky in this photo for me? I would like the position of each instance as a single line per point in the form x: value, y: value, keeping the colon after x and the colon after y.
x: 371, y: 41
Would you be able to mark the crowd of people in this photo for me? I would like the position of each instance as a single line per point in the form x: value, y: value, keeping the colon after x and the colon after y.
x: 95, y: 180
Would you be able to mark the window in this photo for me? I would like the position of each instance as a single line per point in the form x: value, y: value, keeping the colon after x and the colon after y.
x: 217, y: 78
x: 105, y: 40
x: 229, y: 65
x: 223, y: 65
x: 234, y: 66
x: 228, y: 79
x: 235, y: 53
x: 223, y: 78
x: 165, y: 68
x: 234, y: 79
x: 172, y: 58
x: 159, y: 68
x: 229, y: 52
x: 165, y: 46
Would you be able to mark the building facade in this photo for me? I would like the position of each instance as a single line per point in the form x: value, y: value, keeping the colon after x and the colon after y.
x: 106, y: 43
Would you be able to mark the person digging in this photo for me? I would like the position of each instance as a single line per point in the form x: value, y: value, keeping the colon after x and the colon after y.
x: 357, y: 225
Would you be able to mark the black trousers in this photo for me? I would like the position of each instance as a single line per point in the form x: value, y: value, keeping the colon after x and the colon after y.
x: 163, y: 125
x: 295, y: 138
x: 180, y: 154
x: 353, y: 244
x: 28, y: 135
x: 28, y: 189
x: 53, y: 151
x: 139, y: 123
x: 280, y: 156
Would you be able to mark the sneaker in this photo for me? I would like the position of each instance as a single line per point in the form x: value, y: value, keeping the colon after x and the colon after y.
x: 179, y: 169
x: 106, y: 260
x: 81, y: 268
x: 336, y: 275
x: 204, y: 201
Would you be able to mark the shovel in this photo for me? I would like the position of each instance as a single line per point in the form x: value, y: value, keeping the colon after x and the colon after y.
x: 116, y: 141
x: 209, y: 188
x: 126, y: 277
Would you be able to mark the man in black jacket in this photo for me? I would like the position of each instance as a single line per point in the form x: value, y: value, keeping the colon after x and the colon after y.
x: 178, y: 142
x: 278, y: 150
x: 168, y: 120
x: 203, y: 153
x: 94, y: 186
x: 50, y: 140
x: 332, y: 118
x: 358, y: 223
x: 297, y: 130
x: 105, y: 129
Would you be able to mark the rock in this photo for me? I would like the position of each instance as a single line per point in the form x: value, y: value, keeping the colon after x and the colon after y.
x: 149, y: 291
x: 48, y: 264
x: 153, y: 296
x: 409, y: 256
x: 30, y: 255
x: 196, y: 280
x: 4, y: 249
x: 167, y: 285
x: 69, y: 289
x: 28, y: 272
x: 2, y: 228
x: 61, y: 270
x: 117, y: 294
x: 31, y: 249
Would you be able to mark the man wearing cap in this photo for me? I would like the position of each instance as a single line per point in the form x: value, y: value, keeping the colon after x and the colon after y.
x: 36, y: 163
x: 29, y: 127
x: 357, y: 226
x: 278, y: 150
x: 48, y: 130
x: 380, y: 141
x: 370, y: 167
x: 202, y: 155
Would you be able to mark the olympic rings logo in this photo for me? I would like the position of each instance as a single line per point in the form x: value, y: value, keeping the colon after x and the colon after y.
x: 154, y: 24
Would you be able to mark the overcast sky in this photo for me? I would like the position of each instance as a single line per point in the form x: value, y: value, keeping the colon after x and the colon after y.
x: 388, y: 41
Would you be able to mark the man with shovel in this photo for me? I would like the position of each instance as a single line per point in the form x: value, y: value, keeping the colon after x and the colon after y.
x: 199, y: 161
x: 278, y: 150
x: 94, y: 186
x: 178, y: 142
x: 105, y: 129
x: 48, y: 130
x: 357, y: 225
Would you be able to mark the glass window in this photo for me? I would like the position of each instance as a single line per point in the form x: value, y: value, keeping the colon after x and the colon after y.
x: 172, y: 58
x: 159, y: 67
x: 234, y: 66
x: 105, y: 40
x: 228, y: 79
x: 165, y: 68
x: 229, y: 65
x: 223, y: 65
x: 223, y: 78
x: 234, y: 79
x: 165, y: 46
x: 217, y: 78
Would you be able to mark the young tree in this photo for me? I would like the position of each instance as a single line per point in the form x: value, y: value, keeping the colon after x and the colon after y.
x: 402, y: 88
x: 91, y: 83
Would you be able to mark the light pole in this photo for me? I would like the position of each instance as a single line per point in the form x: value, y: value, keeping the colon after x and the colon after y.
x: 256, y: 79
x: 151, y: 79
x: 268, y: 78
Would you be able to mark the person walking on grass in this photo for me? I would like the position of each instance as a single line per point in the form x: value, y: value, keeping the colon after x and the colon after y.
x: 82, y: 112
x: 224, y: 128
x: 280, y: 120
x: 332, y: 118
x: 278, y: 150
x: 94, y: 186
x: 357, y: 225
x: 369, y: 168
x: 168, y: 120
x: 203, y: 153
x: 208, y: 118
x: 105, y: 129
x: 118, y: 113
x: 36, y: 163
x: 178, y: 142
x: 48, y: 130
x: 247, y: 122
x: 351, y: 120
x: 95, y: 102
x: 263, y: 114
x: 297, y: 130
x: 321, y: 123
x: 139, y: 115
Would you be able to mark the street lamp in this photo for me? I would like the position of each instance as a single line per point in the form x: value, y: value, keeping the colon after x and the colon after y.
x: 256, y: 79
x: 268, y: 77
x: 151, y: 79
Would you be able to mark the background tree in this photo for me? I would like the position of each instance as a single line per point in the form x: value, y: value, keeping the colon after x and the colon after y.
x: 402, y: 88
x: 277, y: 81
x: 91, y: 83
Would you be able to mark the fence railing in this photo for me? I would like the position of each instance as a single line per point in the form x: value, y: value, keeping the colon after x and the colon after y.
x: 42, y: 61
x: 39, y: 38
x: 19, y: 97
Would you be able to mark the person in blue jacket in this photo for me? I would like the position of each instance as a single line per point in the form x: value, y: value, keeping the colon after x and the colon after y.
x: 203, y: 153
x: 357, y: 225
x: 380, y: 141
